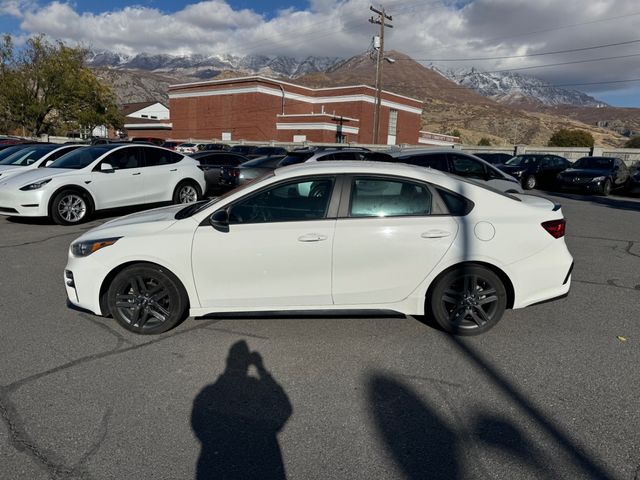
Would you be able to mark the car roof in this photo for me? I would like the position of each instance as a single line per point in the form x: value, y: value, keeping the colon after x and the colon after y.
x: 358, y: 167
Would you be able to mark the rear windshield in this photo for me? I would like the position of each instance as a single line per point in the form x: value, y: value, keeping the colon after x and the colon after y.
x: 594, y: 163
x: 81, y: 158
x: 295, y: 157
x: 521, y: 161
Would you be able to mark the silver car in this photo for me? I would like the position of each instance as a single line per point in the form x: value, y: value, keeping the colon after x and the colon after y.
x: 461, y: 164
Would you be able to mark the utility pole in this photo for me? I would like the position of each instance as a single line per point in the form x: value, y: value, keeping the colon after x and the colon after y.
x: 380, y: 20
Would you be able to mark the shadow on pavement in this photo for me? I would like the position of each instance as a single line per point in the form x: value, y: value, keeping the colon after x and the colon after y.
x: 611, y: 202
x: 237, y: 420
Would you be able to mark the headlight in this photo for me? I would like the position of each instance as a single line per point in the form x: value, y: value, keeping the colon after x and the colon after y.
x: 598, y: 179
x: 87, y: 247
x: 518, y: 173
x: 35, y: 186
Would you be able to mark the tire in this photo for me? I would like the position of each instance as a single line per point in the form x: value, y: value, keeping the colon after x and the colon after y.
x: 186, y: 191
x: 468, y: 300
x: 606, y: 188
x: 147, y: 299
x: 70, y: 207
x: 530, y: 182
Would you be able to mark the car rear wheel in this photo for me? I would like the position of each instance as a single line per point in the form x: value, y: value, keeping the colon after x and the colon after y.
x: 468, y: 300
x: 69, y: 207
x: 530, y: 182
x: 606, y: 188
x: 186, y: 192
x: 147, y: 299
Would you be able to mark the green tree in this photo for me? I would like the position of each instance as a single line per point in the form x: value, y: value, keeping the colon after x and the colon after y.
x: 456, y: 133
x: 484, y: 142
x: 571, y: 138
x: 47, y: 86
x: 633, y: 142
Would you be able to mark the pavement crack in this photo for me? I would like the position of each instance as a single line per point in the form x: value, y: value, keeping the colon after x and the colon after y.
x: 95, y: 446
x: 629, y: 247
x: 608, y: 283
x: 76, y: 233
x: 21, y: 441
x: 98, y: 356
x: 119, y: 337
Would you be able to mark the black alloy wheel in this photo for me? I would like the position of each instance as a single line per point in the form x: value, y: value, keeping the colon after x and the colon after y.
x: 147, y: 299
x: 530, y: 182
x: 468, y: 300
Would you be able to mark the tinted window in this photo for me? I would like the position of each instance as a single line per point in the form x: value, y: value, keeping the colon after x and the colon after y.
x: 157, y: 156
x: 437, y: 161
x: 263, y: 162
x: 467, y: 167
x: 295, y: 201
x: 6, y: 152
x: 456, y: 204
x: 522, y: 160
x: 26, y: 156
x: 58, y: 153
x: 81, y: 157
x: 371, y: 197
x: 595, y: 163
x: 295, y: 157
x: 124, y: 158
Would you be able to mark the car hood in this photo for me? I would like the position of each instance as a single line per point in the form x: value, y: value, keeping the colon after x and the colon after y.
x: 31, y: 175
x: 4, y: 168
x: 584, y: 172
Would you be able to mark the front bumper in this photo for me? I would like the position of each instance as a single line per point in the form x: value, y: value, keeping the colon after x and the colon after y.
x: 591, y: 187
x: 82, y: 280
x: 23, y: 204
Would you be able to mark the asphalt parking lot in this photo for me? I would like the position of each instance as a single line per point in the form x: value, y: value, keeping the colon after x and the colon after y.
x: 551, y: 392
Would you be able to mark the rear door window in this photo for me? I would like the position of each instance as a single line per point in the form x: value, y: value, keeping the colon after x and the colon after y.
x: 158, y: 156
x: 376, y: 197
x: 467, y: 166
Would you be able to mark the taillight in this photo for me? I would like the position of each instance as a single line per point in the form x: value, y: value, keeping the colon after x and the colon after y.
x: 555, y: 228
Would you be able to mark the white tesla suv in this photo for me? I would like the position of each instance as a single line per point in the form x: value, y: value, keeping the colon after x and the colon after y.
x: 328, y: 236
x: 101, y: 177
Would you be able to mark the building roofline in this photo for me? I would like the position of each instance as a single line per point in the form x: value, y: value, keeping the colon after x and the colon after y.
x: 280, y: 82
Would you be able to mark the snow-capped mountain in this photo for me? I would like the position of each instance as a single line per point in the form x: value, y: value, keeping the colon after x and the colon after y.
x: 514, y: 88
x: 207, y: 66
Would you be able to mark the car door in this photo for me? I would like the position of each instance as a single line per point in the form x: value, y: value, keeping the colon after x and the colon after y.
x: 547, y: 170
x: 276, y: 252
x: 159, y: 174
x: 121, y: 186
x: 387, y: 240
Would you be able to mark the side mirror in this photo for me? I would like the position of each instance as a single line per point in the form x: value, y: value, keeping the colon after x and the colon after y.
x: 48, y: 162
x: 106, y: 168
x: 220, y: 221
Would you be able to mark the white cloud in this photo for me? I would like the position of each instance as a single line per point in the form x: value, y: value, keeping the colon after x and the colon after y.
x: 429, y: 29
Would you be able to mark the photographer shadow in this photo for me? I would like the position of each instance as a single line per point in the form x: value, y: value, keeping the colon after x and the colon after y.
x: 237, y: 420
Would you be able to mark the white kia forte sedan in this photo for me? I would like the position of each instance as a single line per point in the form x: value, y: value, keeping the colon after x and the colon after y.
x: 328, y: 236
x: 100, y: 177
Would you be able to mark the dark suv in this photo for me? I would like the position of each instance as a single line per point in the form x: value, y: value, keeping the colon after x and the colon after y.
x: 596, y: 175
x: 535, y: 170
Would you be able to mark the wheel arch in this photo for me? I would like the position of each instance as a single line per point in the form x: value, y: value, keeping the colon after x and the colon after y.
x: 77, y: 188
x: 506, y: 281
x: 108, y: 279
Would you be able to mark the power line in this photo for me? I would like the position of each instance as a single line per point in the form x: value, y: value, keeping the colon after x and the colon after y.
x: 564, y: 63
x: 504, y: 57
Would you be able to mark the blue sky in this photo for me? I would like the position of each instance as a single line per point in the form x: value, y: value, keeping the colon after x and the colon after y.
x: 339, y: 28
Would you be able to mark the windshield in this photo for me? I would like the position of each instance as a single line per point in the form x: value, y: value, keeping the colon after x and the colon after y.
x: 26, y: 156
x: 6, y: 152
x: 521, y: 161
x: 295, y: 157
x: 199, y: 206
x: 594, y: 163
x: 81, y: 158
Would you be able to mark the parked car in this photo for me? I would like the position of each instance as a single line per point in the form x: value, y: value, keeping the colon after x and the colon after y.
x: 212, y: 163
x: 214, y: 147
x: 634, y: 181
x: 318, y: 155
x: 494, y: 158
x: 536, y: 170
x: 268, y: 152
x: 231, y: 177
x: 190, y: 147
x: 33, y: 156
x: 105, y: 141
x: 461, y: 164
x: 595, y: 175
x: 411, y: 240
x: 12, y: 148
x: 149, y: 140
x: 99, y: 177
x: 170, y: 145
x: 245, y: 150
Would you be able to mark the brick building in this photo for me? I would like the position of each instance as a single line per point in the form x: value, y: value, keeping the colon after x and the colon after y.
x: 261, y: 109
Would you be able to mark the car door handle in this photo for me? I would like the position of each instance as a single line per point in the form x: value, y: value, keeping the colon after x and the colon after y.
x: 312, y: 237
x: 173, y: 170
x: 435, y: 234
x: 137, y: 173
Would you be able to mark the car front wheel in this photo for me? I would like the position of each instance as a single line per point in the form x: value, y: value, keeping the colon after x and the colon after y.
x: 606, y: 188
x: 186, y: 192
x: 468, y: 300
x: 530, y: 182
x: 69, y: 207
x: 147, y: 299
